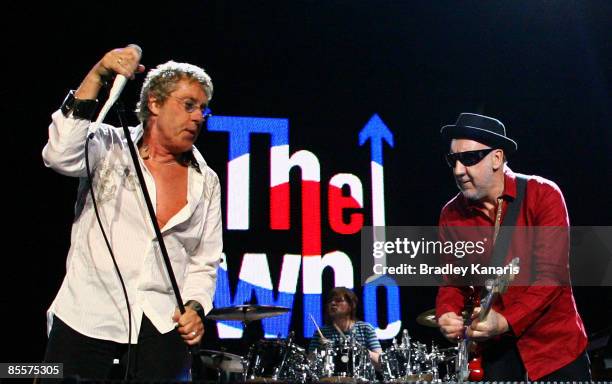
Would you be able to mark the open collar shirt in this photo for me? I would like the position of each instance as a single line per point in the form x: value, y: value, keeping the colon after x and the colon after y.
x: 542, y: 314
x: 90, y: 299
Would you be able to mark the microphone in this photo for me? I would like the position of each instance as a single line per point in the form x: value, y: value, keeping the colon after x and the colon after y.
x: 115, y: 91
x: 121, y: 80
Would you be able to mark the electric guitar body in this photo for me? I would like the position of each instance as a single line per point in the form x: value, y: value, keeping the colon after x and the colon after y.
x: 469, y: 356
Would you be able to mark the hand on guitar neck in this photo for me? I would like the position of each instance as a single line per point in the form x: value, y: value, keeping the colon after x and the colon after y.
x: 484, y: 322
x: 481, y: 322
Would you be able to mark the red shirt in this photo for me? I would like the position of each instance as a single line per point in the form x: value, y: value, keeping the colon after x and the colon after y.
x: 543, y: 316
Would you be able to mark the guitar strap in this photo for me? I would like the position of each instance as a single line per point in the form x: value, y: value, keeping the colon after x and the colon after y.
x: 500, y: 249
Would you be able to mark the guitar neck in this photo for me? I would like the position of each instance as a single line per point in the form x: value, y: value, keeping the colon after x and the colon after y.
x: 486, y: 304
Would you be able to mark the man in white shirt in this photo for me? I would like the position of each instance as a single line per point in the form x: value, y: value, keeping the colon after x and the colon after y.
x: 88, y: 321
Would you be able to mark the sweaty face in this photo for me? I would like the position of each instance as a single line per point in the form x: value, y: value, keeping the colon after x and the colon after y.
x: 476, y: 181
x: 177, y: 126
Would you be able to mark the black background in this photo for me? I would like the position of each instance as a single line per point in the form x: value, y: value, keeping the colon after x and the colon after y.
x: 543, y: 68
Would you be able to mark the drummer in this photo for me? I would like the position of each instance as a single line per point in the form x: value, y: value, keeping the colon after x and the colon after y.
x: 342, y: 321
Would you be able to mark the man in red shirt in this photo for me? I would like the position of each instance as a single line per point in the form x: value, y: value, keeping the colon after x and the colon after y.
x: 534, y: 329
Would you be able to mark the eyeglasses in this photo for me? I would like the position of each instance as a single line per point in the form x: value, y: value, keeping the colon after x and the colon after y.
x: 191, y: 106
x: 467, y: 158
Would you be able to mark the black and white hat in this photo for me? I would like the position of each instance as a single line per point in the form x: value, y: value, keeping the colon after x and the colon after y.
x: 483, y: 129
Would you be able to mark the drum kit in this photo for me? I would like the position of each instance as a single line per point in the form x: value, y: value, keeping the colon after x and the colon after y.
x: 411, y: 362
x: 344, y: 361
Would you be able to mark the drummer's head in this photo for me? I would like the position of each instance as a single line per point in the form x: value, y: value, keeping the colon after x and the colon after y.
x: 342, y: 302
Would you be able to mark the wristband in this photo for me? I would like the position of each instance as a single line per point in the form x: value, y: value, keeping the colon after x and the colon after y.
x: 81, y: 109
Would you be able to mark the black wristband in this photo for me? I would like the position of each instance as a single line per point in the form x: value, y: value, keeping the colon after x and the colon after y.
x: 81, y: 109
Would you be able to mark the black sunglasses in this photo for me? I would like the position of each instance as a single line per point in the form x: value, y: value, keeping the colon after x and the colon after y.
x: 467, y: 158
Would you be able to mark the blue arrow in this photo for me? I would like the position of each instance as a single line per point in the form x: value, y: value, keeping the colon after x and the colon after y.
x: 376, y: 130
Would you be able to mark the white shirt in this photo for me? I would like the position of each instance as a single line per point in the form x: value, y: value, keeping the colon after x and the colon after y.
x: 90, y: 299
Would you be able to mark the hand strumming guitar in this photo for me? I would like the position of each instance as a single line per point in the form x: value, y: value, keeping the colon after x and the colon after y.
x: 494, y: 324
x: 451, y: 326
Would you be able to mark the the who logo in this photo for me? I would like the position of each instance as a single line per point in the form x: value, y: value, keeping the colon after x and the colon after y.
x: 254, y: 275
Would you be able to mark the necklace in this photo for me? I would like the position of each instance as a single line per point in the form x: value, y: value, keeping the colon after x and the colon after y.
x: 144, y: 151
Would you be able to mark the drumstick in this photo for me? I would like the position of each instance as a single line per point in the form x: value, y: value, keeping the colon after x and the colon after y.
x: 323, y: 338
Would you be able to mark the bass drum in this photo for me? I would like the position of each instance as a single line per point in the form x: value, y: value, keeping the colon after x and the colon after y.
x: 410, y: 361
x: 394, y: 369
x: 275, y: 360
x: 343, y: 362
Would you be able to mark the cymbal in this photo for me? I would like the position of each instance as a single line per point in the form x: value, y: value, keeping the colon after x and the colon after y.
x: 247, y: 312
x: 224, y: 361
x: 428, y: 318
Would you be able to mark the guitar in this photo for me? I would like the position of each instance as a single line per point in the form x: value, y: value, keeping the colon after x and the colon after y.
x: 471, y: 369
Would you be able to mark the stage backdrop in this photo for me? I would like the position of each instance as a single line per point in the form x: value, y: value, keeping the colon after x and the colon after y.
x: 326, y: 119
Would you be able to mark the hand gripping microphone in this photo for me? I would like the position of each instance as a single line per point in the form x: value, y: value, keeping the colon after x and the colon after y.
x: 115, y: 91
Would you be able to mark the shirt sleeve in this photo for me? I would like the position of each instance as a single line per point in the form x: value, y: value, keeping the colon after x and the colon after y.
x: 550, y: 255
x: 65, y: 148
x: 201, y: 279
x: 371, y: 339
x: 450, y: 298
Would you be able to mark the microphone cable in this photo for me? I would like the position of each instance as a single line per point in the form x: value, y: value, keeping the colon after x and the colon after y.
x: 112, y: 254
x: 113, y: 96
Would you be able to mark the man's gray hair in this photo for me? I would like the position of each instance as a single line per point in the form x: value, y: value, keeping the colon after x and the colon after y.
x: 162, y: 81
